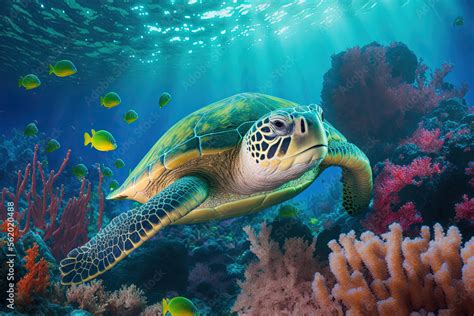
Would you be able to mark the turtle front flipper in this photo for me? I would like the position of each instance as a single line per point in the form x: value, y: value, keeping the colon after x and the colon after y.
x: 356, y: 174
x: 129, y: 230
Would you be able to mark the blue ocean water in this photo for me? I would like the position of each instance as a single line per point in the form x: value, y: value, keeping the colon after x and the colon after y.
x: 199, y: 52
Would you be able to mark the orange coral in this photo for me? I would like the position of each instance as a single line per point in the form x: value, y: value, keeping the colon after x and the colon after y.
x: 400, y: 276
x: 5, y: 227
x: 36, y: 280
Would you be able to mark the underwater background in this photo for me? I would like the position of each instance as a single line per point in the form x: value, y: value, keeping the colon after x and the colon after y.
x: 393, y: 76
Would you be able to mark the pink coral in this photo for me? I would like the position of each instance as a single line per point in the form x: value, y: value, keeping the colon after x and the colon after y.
x: 91, y: 297
x: 465, y: 209
x: 370, y: 276
x: 375, y: 92
x: 388, y: 184
x: 127, y: 301
x: 280, y: 282
x: 427, y: 141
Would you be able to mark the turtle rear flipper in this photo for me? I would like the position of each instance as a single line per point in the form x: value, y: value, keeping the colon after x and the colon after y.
x: 129, y: 230
x: 356, y: 174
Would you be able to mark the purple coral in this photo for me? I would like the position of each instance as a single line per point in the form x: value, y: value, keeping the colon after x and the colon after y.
x: 375, y: 93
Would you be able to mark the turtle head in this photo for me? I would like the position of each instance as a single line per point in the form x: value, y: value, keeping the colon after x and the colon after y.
x: 285, y: 143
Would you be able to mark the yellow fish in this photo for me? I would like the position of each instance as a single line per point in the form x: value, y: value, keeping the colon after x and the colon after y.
x: 29, y: 82
x: 110, y: 100
x: 179, y: 306
x: 101, y: 140
x: 63, y: 68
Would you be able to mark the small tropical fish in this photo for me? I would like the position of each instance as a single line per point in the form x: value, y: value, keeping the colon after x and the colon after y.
x: 119, y: 163
x: 313, y: 221
x: 63, y: 68
x: 52, y: 145
x: 110, y: 100
x: 101, y: 140
x: 458, y: 21
x: 179, y: 306
x: 130, y: 117
x: 29, y: 82
x: 80, y: 171
x: 165, y: 98
x: 30, y: 130
x: 106, y: 171
x: 113, y: 185
x: 44, y: 163
x: 287, y: 211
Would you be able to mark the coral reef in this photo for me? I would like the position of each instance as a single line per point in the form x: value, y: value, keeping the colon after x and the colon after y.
x: 427, y: 141
x: 375, y: 93
x: 127, y: 301
x: 91, y: 297
x: 428, y: 177
x: 370, y: 276
x: 279, y: 283
x: 62, y: 230
x: 35, y: 281
x: 388, y: 185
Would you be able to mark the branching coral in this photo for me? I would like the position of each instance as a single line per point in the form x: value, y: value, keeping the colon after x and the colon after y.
x: 388, y: 184
x: 62, y: 230
x: 370, y: 276
x: 396, y: 276
x: 36, y: 280
x: 280, y: 282
x: 127, y: 301
x: 375, y: 93
x: 91, y: 297
x: 427, y: 141
x: 465, y: 209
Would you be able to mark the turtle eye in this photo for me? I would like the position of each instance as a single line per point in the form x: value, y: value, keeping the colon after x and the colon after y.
x: 278, y: 124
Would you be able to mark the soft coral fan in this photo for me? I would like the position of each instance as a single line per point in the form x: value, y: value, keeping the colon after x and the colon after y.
x: 388, y: 184
x: 36, y: 281
x: 280, y: 282
x: 373, y: 276
x: 428, y: 141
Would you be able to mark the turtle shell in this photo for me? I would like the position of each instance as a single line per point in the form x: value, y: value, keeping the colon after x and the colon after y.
x: 210, y: 130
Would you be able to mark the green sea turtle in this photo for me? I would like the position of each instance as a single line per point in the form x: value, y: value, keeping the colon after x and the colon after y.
x: 231, y: 158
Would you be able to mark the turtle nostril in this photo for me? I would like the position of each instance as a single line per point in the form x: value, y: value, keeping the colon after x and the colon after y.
x: 303, y: 126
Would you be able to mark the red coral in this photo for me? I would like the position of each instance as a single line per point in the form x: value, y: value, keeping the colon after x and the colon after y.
x: 465, y: 209
x: 427, y: 141
x: 64, y: 230
x: 36, y: 280
x: 388, y: 184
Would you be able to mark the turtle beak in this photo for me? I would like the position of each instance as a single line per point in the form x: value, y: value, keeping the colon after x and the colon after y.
x: 309, y: 141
